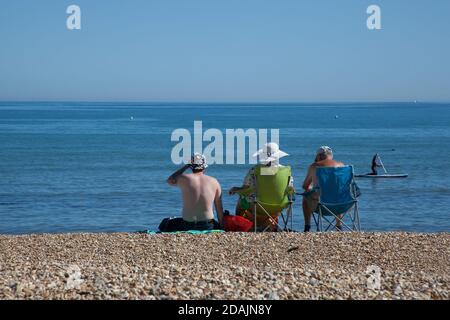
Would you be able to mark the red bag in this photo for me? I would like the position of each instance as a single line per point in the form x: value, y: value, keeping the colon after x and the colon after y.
x: 236, y: 223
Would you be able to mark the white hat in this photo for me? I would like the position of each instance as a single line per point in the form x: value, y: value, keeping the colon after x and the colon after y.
x: 270, y: 152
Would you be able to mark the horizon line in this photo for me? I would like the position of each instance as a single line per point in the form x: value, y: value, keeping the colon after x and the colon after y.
x: 223, y: 102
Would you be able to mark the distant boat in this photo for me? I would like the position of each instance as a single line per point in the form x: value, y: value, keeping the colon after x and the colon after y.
x: 382, y: 176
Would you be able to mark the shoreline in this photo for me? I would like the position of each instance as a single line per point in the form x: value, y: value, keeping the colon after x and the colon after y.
x: 225, y: 266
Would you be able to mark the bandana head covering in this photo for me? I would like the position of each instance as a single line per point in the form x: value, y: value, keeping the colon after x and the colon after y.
x: 198, y: 162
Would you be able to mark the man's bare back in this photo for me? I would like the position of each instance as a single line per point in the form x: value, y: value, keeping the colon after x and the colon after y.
x: 200, y: 192
x: 311, y: 178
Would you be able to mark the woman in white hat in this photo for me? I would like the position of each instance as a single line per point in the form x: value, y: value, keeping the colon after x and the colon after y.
x: 269, y: 156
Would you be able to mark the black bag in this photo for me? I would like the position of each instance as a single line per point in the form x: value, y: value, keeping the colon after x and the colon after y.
x: 178, y: 224
x: 171, y: 225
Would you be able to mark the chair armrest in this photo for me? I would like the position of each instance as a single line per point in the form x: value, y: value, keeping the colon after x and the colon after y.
x: 246, y: 192
x: 307, y: 193
x: 290, y: 190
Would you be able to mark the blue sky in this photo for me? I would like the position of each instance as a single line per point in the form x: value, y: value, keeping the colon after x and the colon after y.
x: 224, y: 51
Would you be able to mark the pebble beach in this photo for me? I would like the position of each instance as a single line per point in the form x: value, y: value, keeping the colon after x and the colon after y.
x: 225, y: 266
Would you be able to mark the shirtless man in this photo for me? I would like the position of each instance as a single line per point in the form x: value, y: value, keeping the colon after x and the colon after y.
x: 199, y: 192
x: 324, y: 158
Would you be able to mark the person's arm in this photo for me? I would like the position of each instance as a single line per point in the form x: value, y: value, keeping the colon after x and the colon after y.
x: 172, y: 180
x: 235, y: 190
x: 218, y: 205
x: 247, y: 183
x: 291, y: 185
x: 308, y: 179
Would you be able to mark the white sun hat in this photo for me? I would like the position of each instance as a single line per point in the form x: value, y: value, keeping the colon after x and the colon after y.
x: 270, y: 152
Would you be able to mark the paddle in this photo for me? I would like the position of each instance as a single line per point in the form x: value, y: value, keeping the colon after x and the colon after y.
x: 381, y: 162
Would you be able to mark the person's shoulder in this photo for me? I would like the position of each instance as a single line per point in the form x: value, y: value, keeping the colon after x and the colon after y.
x: 213, y: 182
x: 180, y: 181
x: 211, y: 178
x: 184, y: 176
x: 314, y: 165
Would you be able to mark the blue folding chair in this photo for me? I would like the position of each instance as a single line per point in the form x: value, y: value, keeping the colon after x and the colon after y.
x: 337, y: 199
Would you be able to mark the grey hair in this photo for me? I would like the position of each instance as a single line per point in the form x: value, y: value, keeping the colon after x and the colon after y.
x: 324, y: 150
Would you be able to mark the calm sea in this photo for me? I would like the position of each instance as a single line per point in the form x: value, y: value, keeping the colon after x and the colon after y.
x: 67, y: 167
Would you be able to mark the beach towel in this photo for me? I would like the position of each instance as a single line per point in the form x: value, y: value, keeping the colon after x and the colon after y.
x: 187, y: 231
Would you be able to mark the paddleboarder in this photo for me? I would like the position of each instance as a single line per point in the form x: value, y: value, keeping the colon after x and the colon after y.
x: 375, y: 165
x: 378, y: 163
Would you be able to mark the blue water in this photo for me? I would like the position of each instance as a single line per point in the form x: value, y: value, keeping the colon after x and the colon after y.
x: 90, y: 167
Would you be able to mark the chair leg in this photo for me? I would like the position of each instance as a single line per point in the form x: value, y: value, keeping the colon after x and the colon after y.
x: 330, y: 224
x: 285, y: 219
x: 271, y: 219
x: 357, y: 217
x: 254, y: 216
x: 320, y: 219
x: 353, y: 225
x: 354, y: 219
x: 316, y: 222
x: 292, y: 216
x: 352, y: 214
x: 288, y: 218
x: 336, y: 217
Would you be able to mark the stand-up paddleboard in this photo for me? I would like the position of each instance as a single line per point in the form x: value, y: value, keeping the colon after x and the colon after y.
x: 381, y: 176
x: 384, y: 175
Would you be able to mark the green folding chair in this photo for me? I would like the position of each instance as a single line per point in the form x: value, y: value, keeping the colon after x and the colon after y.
x: 273, y: 197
